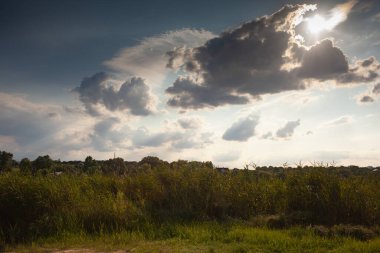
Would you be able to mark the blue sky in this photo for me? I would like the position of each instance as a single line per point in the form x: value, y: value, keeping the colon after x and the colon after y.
x: 231, y: 82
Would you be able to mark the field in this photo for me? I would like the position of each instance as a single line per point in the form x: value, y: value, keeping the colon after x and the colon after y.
x: 155, y: 206
x: 204, y: 237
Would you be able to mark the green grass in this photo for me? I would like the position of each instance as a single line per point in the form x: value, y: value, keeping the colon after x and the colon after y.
x: 204, y: 237
x: 188, y: 209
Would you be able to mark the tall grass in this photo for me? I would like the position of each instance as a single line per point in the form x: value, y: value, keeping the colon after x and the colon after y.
x: 32, y: 207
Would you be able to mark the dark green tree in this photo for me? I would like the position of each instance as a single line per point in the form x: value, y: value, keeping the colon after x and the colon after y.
x: 114, y: 166
x: 153, y: 161
x: 90, y: 165
x: 42, y: 163
x: 25, y: 166
x: 6, y: 161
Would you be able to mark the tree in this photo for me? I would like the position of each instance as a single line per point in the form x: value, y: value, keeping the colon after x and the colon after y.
x: 153, y: 161
x: 90, y: 165
x: 42, y: 163
x: 25, y: 165
x: 114, y: 166
x: 6, y: 161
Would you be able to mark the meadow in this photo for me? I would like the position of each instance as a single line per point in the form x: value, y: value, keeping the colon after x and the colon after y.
x: 183, y: 206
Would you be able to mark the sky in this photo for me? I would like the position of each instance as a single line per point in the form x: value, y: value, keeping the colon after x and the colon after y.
x: 232, y: 82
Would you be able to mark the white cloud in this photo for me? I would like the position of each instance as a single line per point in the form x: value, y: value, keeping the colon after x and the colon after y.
x: 339, y: 121
x: 148, y: 58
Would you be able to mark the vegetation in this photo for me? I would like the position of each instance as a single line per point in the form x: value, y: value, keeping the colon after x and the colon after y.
x: 156, y: 200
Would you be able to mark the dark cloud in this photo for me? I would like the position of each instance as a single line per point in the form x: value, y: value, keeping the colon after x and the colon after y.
x: 323, y: 61
x: 27, y: 122
x: 242, y: 130
x: 376, y: 89
x: 362, y: 71
x: 187, y: 94
x: 366, y: 99
x: 371, y: 96
x: 260, y: 57
x: 133, y: 95
x: 245, y: 61
x: 288, y: 130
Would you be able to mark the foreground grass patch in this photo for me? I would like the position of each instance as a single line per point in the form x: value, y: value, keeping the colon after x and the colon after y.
x: 204, y: 237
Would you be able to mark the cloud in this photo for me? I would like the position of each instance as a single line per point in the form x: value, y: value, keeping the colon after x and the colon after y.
x: 189, y: 123
x: 187, y: 94
x: 36, y: 128
x: 366, y: 99
x: 376, y: 17
x: 362, y: 71
x: 227, y: 157
x: 26, y: 122
x: 170, y: 138
x: 142, y: 137
x: 106, y: 137
x: 148, y: 58
x: 288, y: 130
x: 99, y: 90
x: 267, y: 135
x: 323, y: 61
x: 376, y: 89
x: 339, y: 121
x: 242, y: 130
x: 263, y: 56
x: 371, y: 96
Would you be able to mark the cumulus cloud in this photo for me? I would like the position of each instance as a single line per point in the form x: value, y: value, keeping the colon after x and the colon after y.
x: 148, y: 58
x: 187, y: 94
x: 288, y: 130
x: 366, y: 99
x: 362, y: 71
x: 323, y: 61
x: 242, y: 130
x: 263, y: 56
x: 99, y: 90
x: 371, y: 96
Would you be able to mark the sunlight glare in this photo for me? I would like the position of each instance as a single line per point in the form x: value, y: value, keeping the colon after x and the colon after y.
x: 318, y: 23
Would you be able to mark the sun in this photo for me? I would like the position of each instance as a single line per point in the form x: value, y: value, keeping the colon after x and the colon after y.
x: 317, y: 23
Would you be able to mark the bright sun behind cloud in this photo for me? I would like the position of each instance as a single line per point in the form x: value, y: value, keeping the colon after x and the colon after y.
x: 318, y: 23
